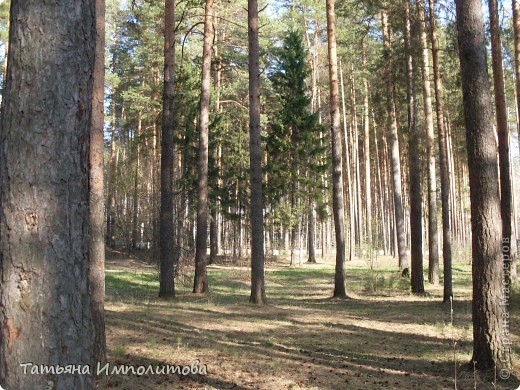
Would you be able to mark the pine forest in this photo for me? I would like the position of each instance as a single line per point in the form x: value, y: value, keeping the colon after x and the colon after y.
x: 273, y: 194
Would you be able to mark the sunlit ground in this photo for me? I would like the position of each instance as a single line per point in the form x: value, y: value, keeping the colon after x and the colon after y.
x: 382, y: 337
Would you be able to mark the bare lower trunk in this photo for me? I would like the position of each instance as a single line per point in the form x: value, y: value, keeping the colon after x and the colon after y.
x: 516, y: 33
x: 97, y: 244
x: 337, y: 192
x: 166, y: 229
x: 201, y: 278
x: 489, y: 351
x: 416, y: 231
x: 46, y: 272
x: 443, y: 161
x: 135, y: 212
x: 258, y: 295
x: 112, y: 177
x: 394, y: 153
x: 347, y: 187
x: 506, y: 206
x: 311, y: 238
x: 433, y: 244
x: 366, y: 155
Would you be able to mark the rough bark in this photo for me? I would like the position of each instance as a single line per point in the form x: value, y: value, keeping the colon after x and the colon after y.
x: 433, y: 236
x: 443, y: 160
x: 506, y: 205
x: 166, y: 227
x: 97, y: 244
x: 45, y: 128
x: 201, y: 278
x: 486, y: 227
x: 394, y: 151
x: 416, y: 232
x: 258, y: 295
x: 337, y: 190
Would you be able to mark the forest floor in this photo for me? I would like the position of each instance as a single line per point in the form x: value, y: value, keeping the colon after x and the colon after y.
x: 382, y: 337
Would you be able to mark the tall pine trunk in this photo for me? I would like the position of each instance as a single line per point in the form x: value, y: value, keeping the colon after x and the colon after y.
x: 258, y: 295
x: 345, y: 169
x: 416, y: 230
x: 135, y: 211
x: 506, y: 206
x: 443, y: 160
x: 433, y: 236
x: 214, y: 227
x: 45, y: 128
x: 112, y: 163
x: 487, y: 267
x: 97, y: 244
x: 166, y: 229
x: 366, y: 155
x: 201, y: 278
x: 394, y: 150
x: 337, y: 190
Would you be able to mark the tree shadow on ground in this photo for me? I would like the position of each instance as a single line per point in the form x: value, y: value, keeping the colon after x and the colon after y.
x: 302, y: 339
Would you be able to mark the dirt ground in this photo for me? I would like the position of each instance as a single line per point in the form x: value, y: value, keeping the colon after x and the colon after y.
x: 381, y: 337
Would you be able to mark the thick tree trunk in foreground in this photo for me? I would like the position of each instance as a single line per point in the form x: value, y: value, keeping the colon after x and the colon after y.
x: 45, y: 301
x: 166, y: 228
x: 337, y: 192
x: 443, y: 161
x: 487, y: 266
x: 255, y: 150
x: 394, y: 151
x: 97, y: 243
x: 201, y: 277
x: 416, y: 232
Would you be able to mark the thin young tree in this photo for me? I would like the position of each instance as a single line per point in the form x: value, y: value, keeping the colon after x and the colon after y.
x: 443, y: 160
x: 337, y: 188
x: 347, y: 188
x: 487, y: 266
x: 394, y: 149
x: 258, y: 295
x: 166, y: 229
x: 45, y: 127
x: 201, y: 278
x: 366, y: 153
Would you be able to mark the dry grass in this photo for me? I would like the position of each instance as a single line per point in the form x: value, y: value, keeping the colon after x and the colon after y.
x: 382, y: 337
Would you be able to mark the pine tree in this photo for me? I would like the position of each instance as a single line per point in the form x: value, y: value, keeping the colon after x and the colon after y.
x: 293, y: 141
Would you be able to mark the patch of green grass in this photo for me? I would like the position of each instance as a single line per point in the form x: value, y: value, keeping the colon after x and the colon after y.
x: 119, y: 350
x: 232, y: 286
x: 126, y: 286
